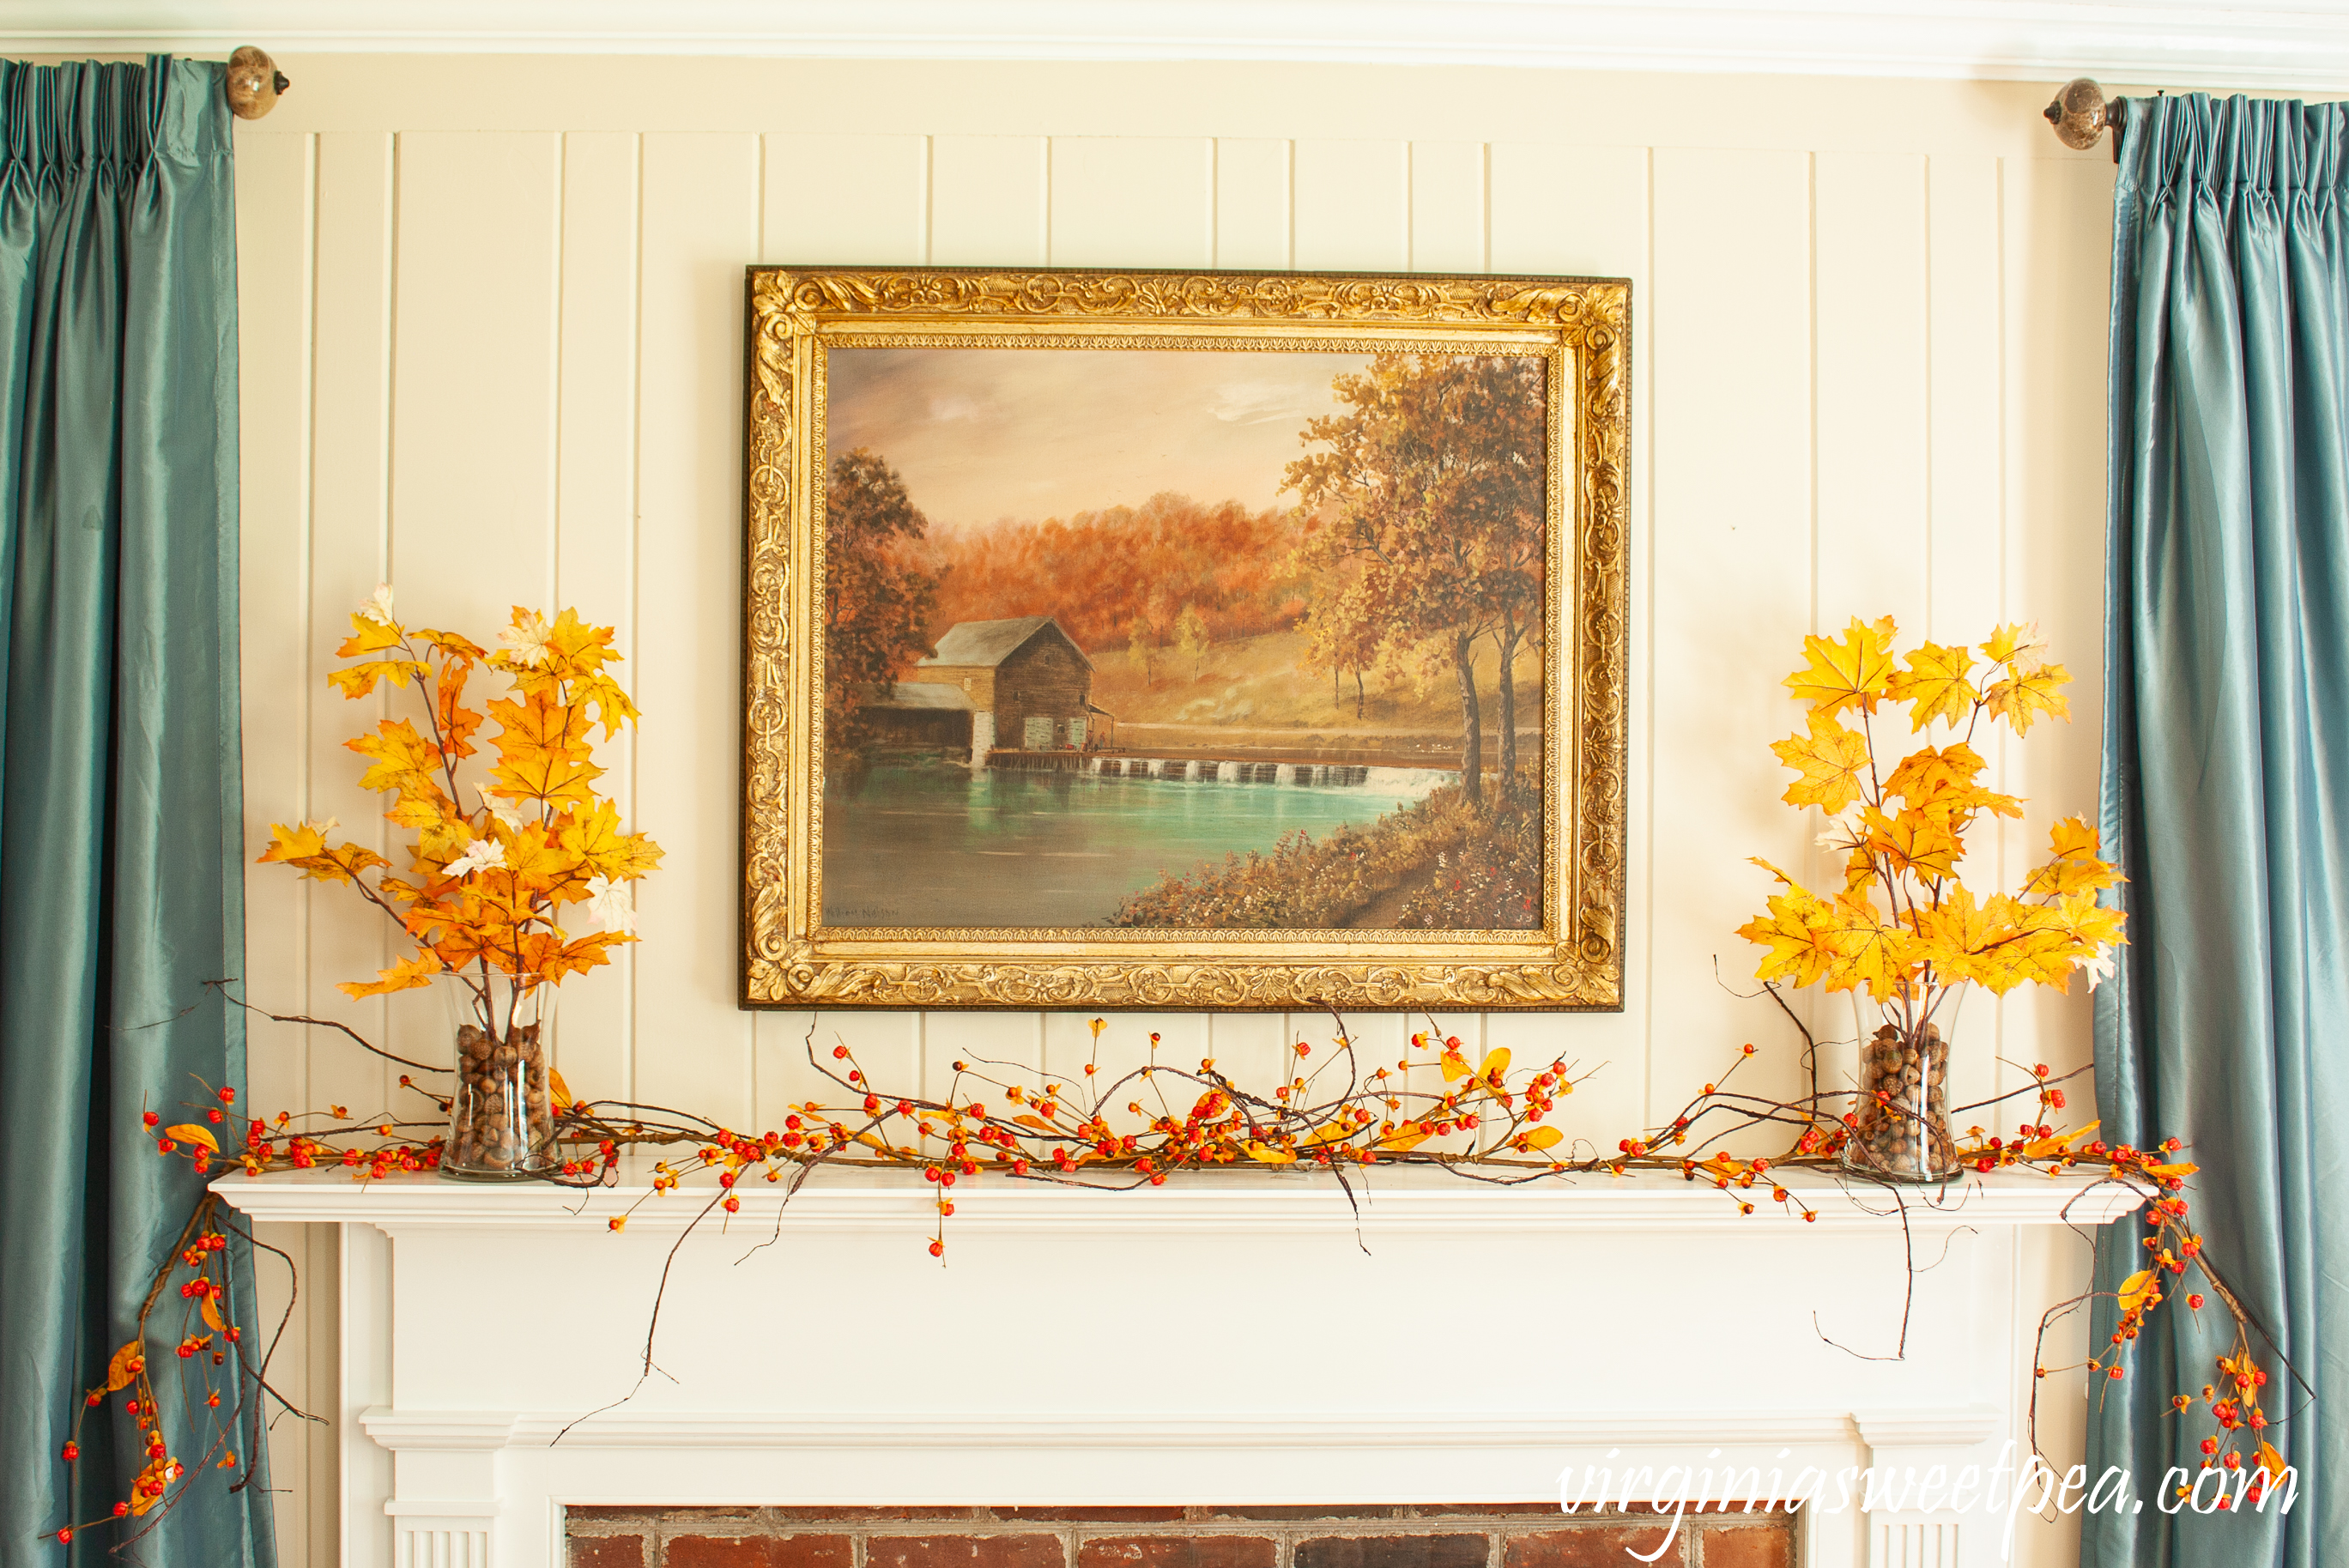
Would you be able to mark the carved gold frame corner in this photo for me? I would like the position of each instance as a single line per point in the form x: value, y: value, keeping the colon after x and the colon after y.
x: 1580, y: 326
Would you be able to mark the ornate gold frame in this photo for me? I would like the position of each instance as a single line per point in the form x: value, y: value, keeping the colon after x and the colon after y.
x: 1581, y: 326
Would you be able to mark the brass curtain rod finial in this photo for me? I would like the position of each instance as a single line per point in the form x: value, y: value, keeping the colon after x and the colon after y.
x: 2079, y: 114
x: 254, y: 83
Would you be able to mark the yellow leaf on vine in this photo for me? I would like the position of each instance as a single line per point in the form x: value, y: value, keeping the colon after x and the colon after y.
x: 1398, y: 1142
x: 1951, y: 935
x: 1038, y: 1123
x: 1917, y: 841
x: 1926, y: 773
x: 558, y: 1088
x: 548, y: 777
x: 404, y: 760
x: 212, y: 1319
x: 404, y: 975
x: 1832, y: 760
x: 2076, y: 868
x: 2073, y: 839
x: 123, y: 1370
x: 1265, y: 1154
x: 1864, y: 950
x: 1794, y: 932
x: 304, y: 848
x: 355, y: 681
x: 1544, y: 1138
x: 2022, y: 695
x: 369, y: 635
x: 539, y: 863
x: 612, y: 706
x: 596, y: 841
x: 2176, y: 1170
x: 1850, y: 671
x: 1454, y: 1065
x: 190, y: 1132
x: 539, y: 724
x: 2059, y: 877
x: 1494, y: 1065
x: 2136, y: 1291
x: 577, y: 957
x: 1935, y: 685
x: 2270, y: 1460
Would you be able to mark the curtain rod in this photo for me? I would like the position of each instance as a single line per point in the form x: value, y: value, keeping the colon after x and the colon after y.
x: 254, y: 82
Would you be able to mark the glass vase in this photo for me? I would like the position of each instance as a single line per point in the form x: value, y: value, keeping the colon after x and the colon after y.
x: 501, y: 1117
x: 1901, y: 1130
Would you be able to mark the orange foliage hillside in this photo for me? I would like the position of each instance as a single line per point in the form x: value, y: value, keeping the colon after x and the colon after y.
x: 1125, y: 573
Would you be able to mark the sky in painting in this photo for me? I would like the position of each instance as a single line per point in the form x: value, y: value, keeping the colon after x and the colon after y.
x: 980, y: 435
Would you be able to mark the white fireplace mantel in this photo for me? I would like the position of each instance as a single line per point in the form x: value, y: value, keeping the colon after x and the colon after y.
x: 1229, y: 1337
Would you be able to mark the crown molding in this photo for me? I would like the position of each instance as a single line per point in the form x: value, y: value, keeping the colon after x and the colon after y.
x: 2166, y: 43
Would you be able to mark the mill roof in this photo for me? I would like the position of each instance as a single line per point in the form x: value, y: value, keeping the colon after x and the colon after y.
x: 989, y: 643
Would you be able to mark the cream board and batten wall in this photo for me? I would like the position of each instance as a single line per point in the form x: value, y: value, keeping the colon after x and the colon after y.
x: 491, y: 351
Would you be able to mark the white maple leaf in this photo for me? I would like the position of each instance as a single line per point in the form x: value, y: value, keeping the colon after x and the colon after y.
x: 379, y: 606
x: 528, y: 638
x: 510, y: 818
x: 609, y: 902
x: 485, y: 854
x: 1845, y: 830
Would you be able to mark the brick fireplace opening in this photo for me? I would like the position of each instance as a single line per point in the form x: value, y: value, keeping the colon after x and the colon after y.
x: 1529, y: 1535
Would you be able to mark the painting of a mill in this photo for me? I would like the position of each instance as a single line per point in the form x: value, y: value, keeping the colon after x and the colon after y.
x: 1018, y: 684
x: 1183, y: 640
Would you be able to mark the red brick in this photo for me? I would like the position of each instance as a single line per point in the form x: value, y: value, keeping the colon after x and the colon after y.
x: 1030, y: 1549
x: 1393, y: 1552
x: 1749, y: 1546
x: 1591, y: 1546
x: 1177, y: 1551
x: 1096, y: 1515
x: 759, y: 1551
x: 607, y: 1550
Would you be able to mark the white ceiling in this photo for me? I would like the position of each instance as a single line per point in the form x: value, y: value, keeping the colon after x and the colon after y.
x: 2167, y: 42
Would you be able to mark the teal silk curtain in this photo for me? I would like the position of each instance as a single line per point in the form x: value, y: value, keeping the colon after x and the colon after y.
x: 2225, y: 790
x: 120, y: 806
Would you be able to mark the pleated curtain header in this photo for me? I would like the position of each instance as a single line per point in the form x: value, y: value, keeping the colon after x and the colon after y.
x: 2215, y: 147
x: 58, y: 120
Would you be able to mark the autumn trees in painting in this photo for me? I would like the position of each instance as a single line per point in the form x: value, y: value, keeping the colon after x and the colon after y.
x: 1170, y: 575
x: 878, y: 600
x: 1423, y: 525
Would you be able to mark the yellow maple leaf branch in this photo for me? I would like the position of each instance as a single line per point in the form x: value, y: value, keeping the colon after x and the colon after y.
x: 1904, y: 832
x: 491, y: 881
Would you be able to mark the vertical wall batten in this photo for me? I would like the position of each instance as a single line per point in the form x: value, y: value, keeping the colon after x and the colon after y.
x: 1863, y: 382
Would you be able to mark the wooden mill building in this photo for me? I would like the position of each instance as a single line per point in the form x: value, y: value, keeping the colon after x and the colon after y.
x: 1024, y: 684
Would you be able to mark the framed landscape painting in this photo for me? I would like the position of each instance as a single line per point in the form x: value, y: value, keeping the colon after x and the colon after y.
x: 1183, y: 640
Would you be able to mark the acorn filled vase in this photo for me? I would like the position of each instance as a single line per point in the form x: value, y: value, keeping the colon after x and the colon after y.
x: 501, y: 1115
x: 1900, y: 1129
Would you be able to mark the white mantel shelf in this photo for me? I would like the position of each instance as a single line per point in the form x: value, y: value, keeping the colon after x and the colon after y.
x: 1389, y: 1202
x: 1232, y: 1336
